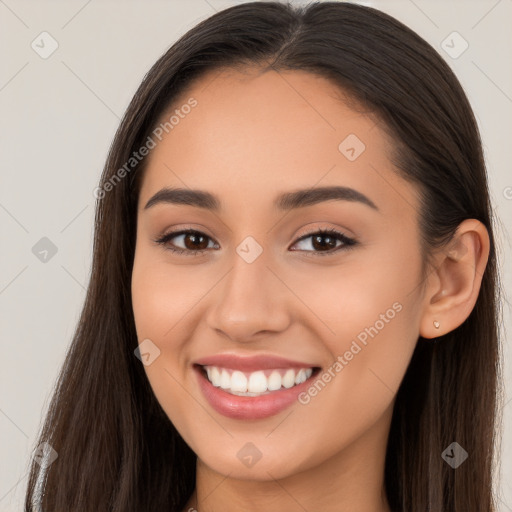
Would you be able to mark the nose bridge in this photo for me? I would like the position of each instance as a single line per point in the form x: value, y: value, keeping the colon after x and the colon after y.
x: 249, y: 299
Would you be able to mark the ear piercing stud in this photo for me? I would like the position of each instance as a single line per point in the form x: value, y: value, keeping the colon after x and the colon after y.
x: 436, y: 324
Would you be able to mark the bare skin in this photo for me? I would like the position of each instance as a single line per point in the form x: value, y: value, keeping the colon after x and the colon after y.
x: 250, y: 138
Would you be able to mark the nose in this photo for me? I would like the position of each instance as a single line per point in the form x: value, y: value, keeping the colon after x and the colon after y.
x: 249, y: 301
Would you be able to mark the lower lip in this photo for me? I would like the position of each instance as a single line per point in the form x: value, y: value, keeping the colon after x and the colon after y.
x: 248, y: 407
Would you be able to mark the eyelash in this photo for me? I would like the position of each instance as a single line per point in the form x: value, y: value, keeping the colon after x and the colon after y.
x: 348, y: 243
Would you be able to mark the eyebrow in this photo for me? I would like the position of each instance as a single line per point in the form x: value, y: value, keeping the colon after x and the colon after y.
x: 286, y: 201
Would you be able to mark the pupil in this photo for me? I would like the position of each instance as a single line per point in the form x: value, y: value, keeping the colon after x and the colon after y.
x: 194, y: 239
x: 330, y: 245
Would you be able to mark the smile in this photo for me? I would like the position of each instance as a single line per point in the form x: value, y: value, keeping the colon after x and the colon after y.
x: 252, y: 395
x: 256, y: 383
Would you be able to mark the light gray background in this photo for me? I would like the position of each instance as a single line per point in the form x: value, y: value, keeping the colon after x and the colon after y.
x: 58, y: 117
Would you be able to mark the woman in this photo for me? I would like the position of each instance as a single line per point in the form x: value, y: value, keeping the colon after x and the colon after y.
x: 294, y: 299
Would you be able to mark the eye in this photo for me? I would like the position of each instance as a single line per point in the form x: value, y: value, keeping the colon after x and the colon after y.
x: 326, y: 240
x: 196, y: 242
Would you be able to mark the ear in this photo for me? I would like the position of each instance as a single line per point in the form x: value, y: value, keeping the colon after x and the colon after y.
x: 453, y: 285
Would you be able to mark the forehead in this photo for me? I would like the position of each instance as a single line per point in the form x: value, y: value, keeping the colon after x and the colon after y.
x: 254, y: 135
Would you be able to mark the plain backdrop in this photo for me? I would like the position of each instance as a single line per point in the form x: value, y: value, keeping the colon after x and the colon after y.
x: 58, y: 117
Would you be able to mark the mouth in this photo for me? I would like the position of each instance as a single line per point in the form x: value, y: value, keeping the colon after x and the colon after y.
x: 253, y: 395
x: 256, y: 383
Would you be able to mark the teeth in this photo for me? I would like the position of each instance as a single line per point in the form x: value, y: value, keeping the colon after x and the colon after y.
x: 274, y: 381
x: 300, y: 377
x: 215, y: 376
x: 256, y: 383
x: 225, y: 379
x: 289, y: 378
x: 238, y: 382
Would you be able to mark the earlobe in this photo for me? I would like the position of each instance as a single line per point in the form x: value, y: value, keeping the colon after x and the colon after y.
x: 456, y: 281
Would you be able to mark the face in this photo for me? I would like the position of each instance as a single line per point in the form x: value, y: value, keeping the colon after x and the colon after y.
x: 329, y: 282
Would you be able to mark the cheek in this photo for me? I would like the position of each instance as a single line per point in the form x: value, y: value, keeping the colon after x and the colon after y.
x: 163, y: 298
x: 163, y: 294
x: 155, y: 311
x: 366, y: 288
x: 367, y: 314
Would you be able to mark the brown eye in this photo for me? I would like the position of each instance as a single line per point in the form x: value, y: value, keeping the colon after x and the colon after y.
x: 193, y: 241
x: 325, y: 241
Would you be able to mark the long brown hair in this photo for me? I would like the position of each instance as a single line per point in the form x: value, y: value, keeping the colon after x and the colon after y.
x: 117, y: 449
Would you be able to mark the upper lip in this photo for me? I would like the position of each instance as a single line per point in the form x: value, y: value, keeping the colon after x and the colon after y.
x: 251, y: 363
